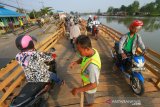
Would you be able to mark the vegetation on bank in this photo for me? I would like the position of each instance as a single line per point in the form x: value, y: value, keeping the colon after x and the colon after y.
x: 134, y: 9
x: 35, y: 14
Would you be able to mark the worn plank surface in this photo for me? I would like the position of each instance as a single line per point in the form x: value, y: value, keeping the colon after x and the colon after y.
x: 113, y: 86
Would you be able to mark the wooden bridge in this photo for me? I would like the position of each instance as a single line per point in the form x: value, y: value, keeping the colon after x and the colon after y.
x: 113, y: 90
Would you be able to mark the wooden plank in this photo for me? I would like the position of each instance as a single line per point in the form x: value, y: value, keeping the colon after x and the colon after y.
x: 48, y: 42
x: 39, y: 45
x: 112, y: 29
x: 110, y: 34
x: 157, y: 82
x: 50, y: 46
x: 8, y: 68
x: 11, y: 88
x: 63, y: 102
x: 152, y: 94
x: 155, y: 63
x: 151, y: 89
x: 71, y: 105
x: 10, y: 78
x: 3, y: 105
x: 82, y: 99
x: 152, y: 70
x: 142, y: 101
x: 152, y: 52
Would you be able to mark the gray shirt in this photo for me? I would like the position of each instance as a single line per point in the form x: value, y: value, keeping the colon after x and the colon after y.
x: 93, y: 71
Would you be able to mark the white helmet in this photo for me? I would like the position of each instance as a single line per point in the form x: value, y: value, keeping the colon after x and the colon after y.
x: 90, y: 16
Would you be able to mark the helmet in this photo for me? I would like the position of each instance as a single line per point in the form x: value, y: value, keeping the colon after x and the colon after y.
x: 136, y: 23
x: 90, y: 16
x: 24, y: 42
x: 75, y: 21
x: 95, y: 17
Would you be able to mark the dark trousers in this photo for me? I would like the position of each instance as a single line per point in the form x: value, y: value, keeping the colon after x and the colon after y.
x: 71, y: 41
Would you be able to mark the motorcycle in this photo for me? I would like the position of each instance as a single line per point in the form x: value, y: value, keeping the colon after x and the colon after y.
x: 136, y: 66
x: 95, y: 31
x: 35, y: 94
x: 89, y: 27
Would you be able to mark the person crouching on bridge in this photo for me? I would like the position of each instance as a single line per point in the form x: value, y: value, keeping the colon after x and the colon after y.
x: 33, y: 62
x: 130, y: 42
x: 90, y: 68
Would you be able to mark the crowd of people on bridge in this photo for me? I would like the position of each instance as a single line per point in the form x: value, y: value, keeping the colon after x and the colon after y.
x: 73, y: 29
x: 36, y: 70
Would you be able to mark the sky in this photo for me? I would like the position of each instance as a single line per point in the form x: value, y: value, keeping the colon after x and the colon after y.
x: 73, y: 5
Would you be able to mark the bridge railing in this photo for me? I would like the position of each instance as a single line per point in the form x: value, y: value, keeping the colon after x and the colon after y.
x: 152, y: 57
x: 12, y: 76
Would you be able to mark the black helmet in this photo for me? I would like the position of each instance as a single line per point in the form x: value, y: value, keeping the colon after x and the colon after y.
x: 75, y: 21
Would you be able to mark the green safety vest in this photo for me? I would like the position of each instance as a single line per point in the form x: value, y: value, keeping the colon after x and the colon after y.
x: 95, y: 59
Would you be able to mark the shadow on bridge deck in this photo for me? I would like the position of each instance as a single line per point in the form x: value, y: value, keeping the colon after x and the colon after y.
x: 113, y: 86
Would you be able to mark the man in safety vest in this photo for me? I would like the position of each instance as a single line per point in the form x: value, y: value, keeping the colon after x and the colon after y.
x: 90, y: 68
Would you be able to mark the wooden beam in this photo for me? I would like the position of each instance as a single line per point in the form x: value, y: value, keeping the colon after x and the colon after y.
x: 10, y: 77
x: 8, y: 68
x: 11, y: 88
x: 155, y: 54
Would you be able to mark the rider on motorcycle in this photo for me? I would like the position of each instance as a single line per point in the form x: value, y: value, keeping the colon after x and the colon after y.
x: 89, y: 24
x: 95, y: 26
x: 34, y: 62
x: 130, y: 42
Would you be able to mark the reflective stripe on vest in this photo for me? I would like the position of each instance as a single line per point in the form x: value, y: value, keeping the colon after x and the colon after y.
x: 95, y: 59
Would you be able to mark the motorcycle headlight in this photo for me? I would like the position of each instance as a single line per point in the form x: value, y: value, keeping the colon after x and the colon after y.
x: 140, y: 63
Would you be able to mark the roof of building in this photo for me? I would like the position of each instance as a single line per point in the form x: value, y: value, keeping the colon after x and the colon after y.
x: 9, y: 13
x: 60, y: 11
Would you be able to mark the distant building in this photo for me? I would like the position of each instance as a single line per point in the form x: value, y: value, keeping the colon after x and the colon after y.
x: 7, y: 15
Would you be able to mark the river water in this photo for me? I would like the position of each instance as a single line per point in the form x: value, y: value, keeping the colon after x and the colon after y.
x: 150, y: 32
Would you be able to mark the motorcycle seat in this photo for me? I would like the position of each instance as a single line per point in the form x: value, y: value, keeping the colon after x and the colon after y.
x: 28, y: 92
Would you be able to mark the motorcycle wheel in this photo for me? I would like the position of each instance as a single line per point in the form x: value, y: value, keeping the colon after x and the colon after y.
x: 137, y: 86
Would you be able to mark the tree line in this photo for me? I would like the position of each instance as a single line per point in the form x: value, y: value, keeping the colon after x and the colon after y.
x: 36, y: 14
x: 150, y: 9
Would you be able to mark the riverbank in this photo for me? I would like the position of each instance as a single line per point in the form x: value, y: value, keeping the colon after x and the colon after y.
x: 133, y: 16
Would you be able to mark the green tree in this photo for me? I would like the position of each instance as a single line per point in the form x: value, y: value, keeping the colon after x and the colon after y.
x: 51, y: 13
x: 151, y: 8
x: 115, y: 10
x: 46, y: 10
x: 110, y: 10
x: 123, y: 8
x: 157, y: 3
x: 133, y: 8
x: 33, y: 14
